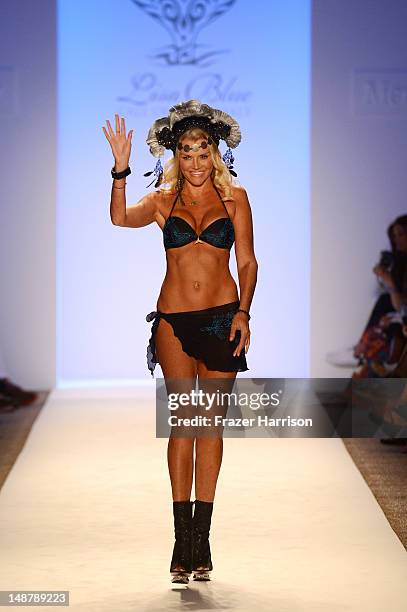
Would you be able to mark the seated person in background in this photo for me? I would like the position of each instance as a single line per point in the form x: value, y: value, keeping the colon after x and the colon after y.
x: 400, y: 371
x: 382, y: 342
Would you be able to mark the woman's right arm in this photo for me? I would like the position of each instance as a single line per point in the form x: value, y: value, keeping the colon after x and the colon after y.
x: 145, y: 211
x: 141, y: 214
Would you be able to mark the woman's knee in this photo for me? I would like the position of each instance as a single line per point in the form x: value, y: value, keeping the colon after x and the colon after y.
x: 207, y: 445
x: 183, y: 445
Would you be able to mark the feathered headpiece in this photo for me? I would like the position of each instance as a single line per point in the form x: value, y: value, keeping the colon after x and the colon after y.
x: 165, y: 132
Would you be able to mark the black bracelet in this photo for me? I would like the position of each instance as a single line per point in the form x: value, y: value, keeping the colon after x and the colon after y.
x: 122, y: 174
x: 245, y: 311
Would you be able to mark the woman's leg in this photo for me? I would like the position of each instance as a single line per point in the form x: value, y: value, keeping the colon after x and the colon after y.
x: 176, y: 364
x: 208, y: 459
x: 397, y: 342
x: 209, y: 448
x: 382, y: 306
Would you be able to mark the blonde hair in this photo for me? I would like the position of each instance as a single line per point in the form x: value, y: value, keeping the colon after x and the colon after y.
x: 221, y: 177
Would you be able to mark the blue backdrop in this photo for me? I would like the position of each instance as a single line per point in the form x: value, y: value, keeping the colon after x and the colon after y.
x: 251, y: 59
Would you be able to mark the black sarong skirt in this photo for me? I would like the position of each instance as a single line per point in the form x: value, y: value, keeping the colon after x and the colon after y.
x: 204, y: 334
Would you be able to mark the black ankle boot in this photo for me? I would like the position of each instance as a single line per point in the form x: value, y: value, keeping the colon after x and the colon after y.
x: 181, y: 562
x: 201, y: 551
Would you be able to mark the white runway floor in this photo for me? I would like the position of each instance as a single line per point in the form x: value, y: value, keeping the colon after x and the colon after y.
x: 87, y: 508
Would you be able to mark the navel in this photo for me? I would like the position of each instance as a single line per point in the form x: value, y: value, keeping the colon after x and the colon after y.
x: 197, y: 284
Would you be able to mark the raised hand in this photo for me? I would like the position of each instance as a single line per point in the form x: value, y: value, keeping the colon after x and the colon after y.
x: 120, y: 144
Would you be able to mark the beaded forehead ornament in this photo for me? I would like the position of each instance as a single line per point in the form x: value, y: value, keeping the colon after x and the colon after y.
x: 195, y: 147
x: 166, y: 132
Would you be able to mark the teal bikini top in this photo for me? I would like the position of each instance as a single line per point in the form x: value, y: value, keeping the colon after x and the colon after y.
x: 177, y: 232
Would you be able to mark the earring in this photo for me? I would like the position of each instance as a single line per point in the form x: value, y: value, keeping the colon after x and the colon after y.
x: 229, y: 159
x: 158, y: 171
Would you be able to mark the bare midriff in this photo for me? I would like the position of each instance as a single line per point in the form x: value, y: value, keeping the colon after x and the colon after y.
x: 197, y: 277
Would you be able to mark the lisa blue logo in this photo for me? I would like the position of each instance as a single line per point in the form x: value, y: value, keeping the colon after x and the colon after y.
x: 184, y: 20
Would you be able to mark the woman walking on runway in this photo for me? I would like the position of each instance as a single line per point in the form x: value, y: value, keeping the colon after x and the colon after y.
x: 200, y: 329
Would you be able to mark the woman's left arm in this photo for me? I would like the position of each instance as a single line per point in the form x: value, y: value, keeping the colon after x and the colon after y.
x: 246, y: 265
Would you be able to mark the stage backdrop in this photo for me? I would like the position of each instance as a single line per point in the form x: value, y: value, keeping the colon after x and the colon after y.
x: 251, y: 59
x: 358, y: 153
